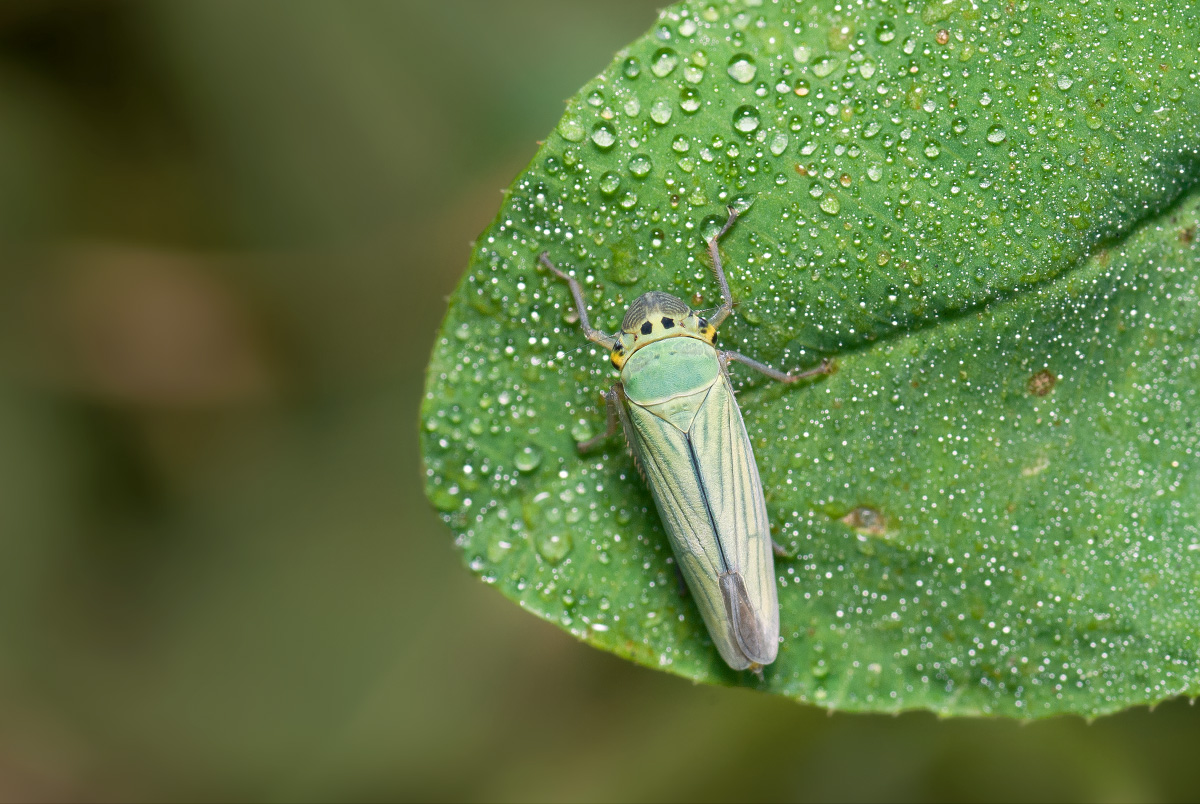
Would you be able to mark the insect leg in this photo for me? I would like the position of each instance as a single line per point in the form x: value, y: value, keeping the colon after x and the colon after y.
x: 611, y: 404
x: 592, y: 334
x: 715, y: 254
x: 825, y: 367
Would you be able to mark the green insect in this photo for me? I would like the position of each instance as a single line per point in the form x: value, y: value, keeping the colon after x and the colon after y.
x: 676, y: 406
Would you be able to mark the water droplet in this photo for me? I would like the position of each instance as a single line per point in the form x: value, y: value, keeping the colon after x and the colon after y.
x: 742, y: 68
x: 632, y: 67
x: 830, y: 205
x: 640, y: 165
x: 866, y: 69
x: 689, y: 100
x: 885, y: 31
x: 824, y: 67
x: 609, y: 183
x: 875, y: 172
x: 1065, y: 82
x: 570, y: 128
x: 996, y: 135
x: 745, y: 119
x: 554, y: 546
x: 660, y: 111
x: 663, y: 61
x: 680, y: 144
x: 528, y: 458
x: 779, y: 143
x: 603, y: 136
x: 932, y: 149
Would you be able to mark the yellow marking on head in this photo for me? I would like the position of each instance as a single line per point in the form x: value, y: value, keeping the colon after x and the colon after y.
x: 654, y: 316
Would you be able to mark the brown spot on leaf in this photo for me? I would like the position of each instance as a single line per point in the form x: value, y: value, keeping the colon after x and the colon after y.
x: 1041, y: 383
x: 867, y: 521
x: 1187, y: 235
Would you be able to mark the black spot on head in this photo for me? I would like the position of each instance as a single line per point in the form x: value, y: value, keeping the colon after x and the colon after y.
x: 703, y: 324
x: 647, y: 327
x: 668, y: 323
x: 619, y: 350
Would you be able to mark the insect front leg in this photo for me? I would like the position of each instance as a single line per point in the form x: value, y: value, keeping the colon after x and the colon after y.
x: 594, y: 335
x: 826, y: 366
x: 612, y: 405
x: 715, y: 254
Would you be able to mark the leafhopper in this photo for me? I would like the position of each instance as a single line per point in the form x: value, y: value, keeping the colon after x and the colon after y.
x: 676, y: 406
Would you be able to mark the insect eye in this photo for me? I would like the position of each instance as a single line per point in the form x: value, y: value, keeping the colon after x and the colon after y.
x: 647, y: 327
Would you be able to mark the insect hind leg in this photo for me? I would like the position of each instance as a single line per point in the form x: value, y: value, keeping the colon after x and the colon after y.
x: 612, y: 405
x: 824, y: 367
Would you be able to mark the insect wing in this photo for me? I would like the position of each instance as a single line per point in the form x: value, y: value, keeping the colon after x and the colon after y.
x: 709, y: 497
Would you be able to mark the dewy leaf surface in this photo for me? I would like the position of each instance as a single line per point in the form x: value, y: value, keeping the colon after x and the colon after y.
x: 986, y: 212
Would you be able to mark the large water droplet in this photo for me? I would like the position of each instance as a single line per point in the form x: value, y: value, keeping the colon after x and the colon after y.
x: 663, y: 61
x: 996, y: 135
x: 632, y: 67
x: 554, y: 546
x: 603, y: 136
x: 570, y: 128
x: 640, y: 165
x: 609, y: 182
x: 689, y: 100
x: 528, y: 458
x: 660, y: 111
x: 885, y: 31
x: 745, y: 119
x: 779, y: 143
x: 824, y: 67
x: 830, y: 205
x: 742, y: 68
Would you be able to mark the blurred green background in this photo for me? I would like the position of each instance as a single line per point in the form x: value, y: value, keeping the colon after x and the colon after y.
x: 227, y: 230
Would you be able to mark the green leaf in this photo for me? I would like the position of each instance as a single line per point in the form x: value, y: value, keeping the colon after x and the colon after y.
x: 987, y: 213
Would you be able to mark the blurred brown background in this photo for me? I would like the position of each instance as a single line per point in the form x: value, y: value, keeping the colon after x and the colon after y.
x: 227, y: 230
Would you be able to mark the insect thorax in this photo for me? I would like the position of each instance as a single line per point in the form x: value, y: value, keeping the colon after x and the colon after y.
x: 654, y: 316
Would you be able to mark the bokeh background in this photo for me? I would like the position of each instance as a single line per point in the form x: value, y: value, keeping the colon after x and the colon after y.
x: 226, y: 233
